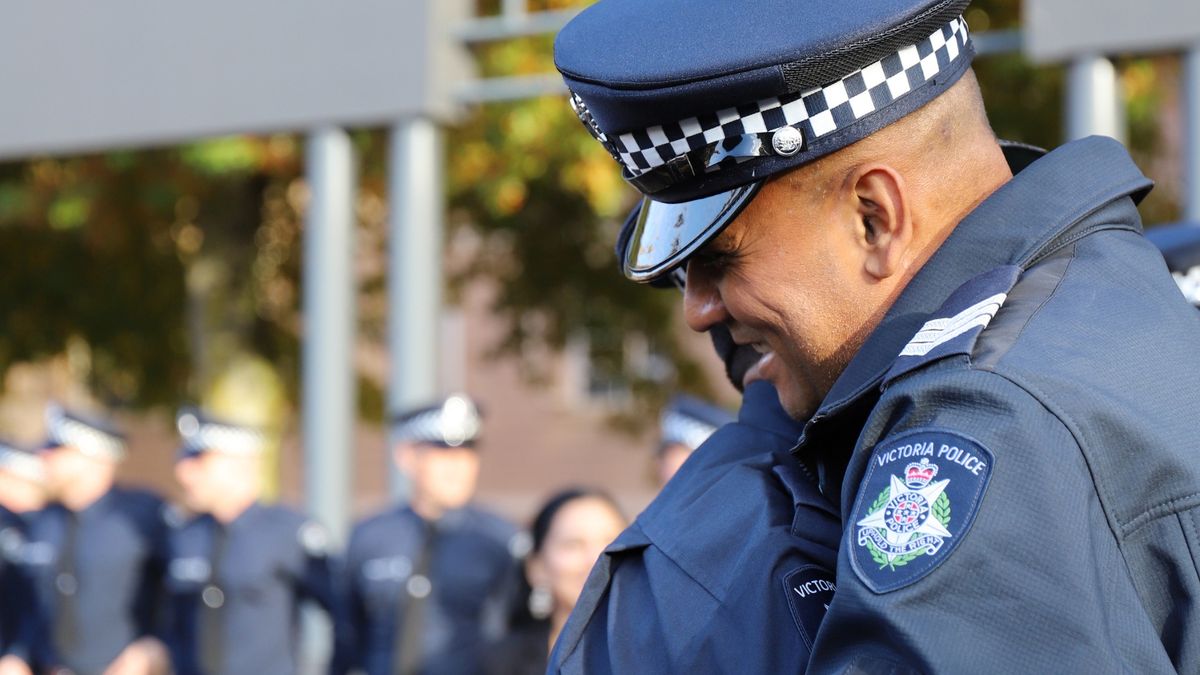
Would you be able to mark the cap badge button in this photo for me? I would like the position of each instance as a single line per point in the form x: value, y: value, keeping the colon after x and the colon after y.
x: 787, y: 141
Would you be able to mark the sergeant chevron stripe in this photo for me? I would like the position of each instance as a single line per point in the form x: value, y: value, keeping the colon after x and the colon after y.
x: 939, y: 331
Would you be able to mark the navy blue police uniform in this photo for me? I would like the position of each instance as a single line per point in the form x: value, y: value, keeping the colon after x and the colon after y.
x: 728, y: 570
x: 97, y: 573
x: 1019, y: 466
x: 13, y: 582
x: 427, y: 597
x: 1013, y: 448
x: 17, y: 606
x: 237, y: 587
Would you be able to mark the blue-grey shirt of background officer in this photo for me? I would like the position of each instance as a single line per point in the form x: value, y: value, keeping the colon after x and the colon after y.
x: 97, y: 555
x: 240, y: 570
x: 22, y: 493
x: 429, y: 582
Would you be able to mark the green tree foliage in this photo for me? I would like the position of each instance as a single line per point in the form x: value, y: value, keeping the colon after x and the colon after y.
x: 548, y: 201
x: 101, y: 251
x: 167, y: 263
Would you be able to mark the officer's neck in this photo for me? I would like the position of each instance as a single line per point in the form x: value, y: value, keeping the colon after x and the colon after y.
x: 429, y: 509
x: 230, y: 509
x: 84, y: 494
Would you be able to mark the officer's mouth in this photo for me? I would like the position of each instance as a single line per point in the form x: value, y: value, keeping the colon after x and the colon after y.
x: 764, y: 368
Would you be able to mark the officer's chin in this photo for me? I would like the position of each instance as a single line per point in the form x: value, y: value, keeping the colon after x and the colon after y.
x: 798, y: 400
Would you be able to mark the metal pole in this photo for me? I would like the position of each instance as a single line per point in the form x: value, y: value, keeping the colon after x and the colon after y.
x: 514, y: 10
x: 1191, y: 130
x: 414, y: 265
x: 1094, y: 103
x: 329, y: 322
x: 328, y: 401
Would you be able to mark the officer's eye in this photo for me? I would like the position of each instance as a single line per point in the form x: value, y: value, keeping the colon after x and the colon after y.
x: 714, y: 260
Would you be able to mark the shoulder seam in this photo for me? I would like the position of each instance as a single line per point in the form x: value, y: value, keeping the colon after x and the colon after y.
x: 1163, y: 509
x: 995, y: 360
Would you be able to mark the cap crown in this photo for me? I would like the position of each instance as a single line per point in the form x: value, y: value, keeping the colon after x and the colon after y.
x: 678, y: 89
x: 689, y: 421
x: 452, y: 422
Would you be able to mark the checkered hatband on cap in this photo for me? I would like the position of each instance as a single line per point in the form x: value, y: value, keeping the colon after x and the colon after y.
x: 684, y: 429
x: 201, y: 433
x: 20, y: 462
x: 814, y: 113
x: 65, y: 429
x: 455, y: 422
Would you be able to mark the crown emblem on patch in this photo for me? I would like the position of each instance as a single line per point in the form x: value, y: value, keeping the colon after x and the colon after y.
x: 919, y: 475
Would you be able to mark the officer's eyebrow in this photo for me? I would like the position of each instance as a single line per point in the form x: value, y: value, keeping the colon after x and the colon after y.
x: 717, y: 253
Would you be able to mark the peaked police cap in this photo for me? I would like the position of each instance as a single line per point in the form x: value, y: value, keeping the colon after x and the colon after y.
x: 700, y: 101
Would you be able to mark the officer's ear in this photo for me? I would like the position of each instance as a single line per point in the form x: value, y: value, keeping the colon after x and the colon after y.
x: 883, y: 219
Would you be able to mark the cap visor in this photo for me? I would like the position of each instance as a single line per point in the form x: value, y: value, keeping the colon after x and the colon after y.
x: 664, y: 235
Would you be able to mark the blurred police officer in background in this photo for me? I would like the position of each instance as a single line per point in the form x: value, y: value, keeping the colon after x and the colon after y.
x: 22, y: 492
x: 567, y: 536
x: 240, y: 568
x: 686, y: 422
x: 97, y: 555
x: 429, y: 581
x: 1180, y: 246
x: 997, y: 371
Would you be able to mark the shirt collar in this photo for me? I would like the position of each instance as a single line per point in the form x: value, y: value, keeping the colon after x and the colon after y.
x: 245, y: 516
x: 100, y: 505
x: 1009, y: 227
x: 761, y: 410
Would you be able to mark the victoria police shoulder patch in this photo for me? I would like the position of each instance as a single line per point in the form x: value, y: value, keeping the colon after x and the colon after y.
x: 916, y: 502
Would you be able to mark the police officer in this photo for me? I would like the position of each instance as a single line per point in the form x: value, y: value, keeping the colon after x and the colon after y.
x: 96, y: 555
x: 429, y: 581
x: 22, y: 493
x: 1180, y: 246
x: 686, y: 422
x: 964, y: 324
x: 241, y: 568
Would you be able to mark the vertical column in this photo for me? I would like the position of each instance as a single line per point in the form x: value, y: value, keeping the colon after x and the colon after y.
x: 514, y: 10
x: 414, y: 265
x: 1191, y: 130
x: 327, y: 386
x: 1094, y: 103
x: 329, y: 323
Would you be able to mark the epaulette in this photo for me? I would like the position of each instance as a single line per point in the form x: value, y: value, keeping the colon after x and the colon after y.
x: 958, y: 323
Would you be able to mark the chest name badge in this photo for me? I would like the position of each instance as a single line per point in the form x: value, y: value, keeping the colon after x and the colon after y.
x: 809, y: 590
x: 917, y: 501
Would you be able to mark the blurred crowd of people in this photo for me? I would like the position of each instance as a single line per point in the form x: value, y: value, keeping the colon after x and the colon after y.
x: 100, y: 578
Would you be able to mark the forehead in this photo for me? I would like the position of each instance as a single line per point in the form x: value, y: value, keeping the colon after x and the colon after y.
x: 753, y: 221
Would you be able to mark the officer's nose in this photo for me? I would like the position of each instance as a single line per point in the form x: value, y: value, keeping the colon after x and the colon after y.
x: 703, y: 306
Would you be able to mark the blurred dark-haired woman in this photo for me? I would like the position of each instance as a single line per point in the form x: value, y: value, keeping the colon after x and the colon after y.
x: 567, y: 536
